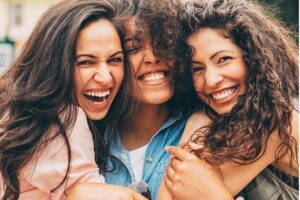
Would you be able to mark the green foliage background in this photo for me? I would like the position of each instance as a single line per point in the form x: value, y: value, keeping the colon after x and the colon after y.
x: 287, y: 11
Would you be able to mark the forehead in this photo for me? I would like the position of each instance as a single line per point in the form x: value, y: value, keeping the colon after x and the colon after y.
x: 98, y: 36
x: 211, y: 39
x: 130, y: 26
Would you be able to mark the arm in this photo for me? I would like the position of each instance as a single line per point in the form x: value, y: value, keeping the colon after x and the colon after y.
x: 206, y: 183
x: 48, y: 168
x: 96, y: 191
x: 236, y: 177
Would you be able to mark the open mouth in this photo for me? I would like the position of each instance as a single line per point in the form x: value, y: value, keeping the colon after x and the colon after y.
x: 224, y: 94
x: 97, y: 97
x: 154, y: 76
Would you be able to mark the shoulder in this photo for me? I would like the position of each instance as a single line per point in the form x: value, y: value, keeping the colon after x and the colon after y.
x: 295, y: 125
x: 197, y: 120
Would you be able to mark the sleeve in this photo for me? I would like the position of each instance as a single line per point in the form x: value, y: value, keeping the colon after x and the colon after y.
x: 47, y: 171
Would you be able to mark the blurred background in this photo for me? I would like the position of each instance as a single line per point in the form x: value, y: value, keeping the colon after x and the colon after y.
x: 18, y: 18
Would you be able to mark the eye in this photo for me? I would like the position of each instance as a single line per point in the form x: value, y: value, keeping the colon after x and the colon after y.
x: 224, y: 59
x: 84, y: 63
x: 197, y: 69
x: 134, y: 46
x: 133, y: 50
x: 116, y: 60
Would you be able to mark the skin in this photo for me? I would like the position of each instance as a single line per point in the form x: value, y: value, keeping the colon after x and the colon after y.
x: 99, y: 67
x: 99, y: 70
x: 152, y: 96
x: 206, y: 182
x: 219, y: 70
x: 151, y: 89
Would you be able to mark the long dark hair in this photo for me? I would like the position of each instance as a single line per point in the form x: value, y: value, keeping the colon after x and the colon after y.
x: 270, y: 54
x: 38, y: 88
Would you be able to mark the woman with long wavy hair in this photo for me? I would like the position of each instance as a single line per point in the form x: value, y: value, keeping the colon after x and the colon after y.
x: 74, y: 58
x: 244, y: 69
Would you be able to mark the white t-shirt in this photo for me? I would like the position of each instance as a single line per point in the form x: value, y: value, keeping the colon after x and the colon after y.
x: 137, y: 158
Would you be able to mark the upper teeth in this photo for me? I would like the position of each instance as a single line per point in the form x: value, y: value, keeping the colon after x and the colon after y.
x: 154, y: 76
x: 224, y: 94
x: 98, y: 94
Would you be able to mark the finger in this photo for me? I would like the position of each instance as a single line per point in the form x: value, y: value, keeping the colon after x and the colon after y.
x: 177, y: 152
x: 170, y: 173
x: 174, y: 163
x: 195, y: 146
x: 168, y: 183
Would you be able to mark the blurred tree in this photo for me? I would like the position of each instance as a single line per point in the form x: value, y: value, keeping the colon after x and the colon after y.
x: 287, y: 11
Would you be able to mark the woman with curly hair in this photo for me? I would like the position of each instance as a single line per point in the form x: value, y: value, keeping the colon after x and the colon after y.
x: 74, y: 58
x: 244, y: 68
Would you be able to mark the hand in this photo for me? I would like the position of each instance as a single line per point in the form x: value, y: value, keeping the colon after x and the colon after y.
x: 97, y: 191
x: 188, y: 177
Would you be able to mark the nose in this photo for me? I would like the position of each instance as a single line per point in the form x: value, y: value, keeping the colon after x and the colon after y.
x: 149, y: 55
x: 103, y: 74
x: 213, y: 77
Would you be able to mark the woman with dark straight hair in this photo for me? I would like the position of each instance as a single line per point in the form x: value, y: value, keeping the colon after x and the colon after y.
x: 74, y: 57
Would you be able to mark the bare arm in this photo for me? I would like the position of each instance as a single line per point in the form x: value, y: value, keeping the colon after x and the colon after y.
x: 203, y: 184
x: 236, y: 177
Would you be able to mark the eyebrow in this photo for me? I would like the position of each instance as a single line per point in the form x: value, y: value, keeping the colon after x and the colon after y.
x: 211, y: 57
x: 118, y: 52
x: 129, y: 39
x: 196, y: 62
x: 133, y: 38
x: 215, y: 54
x: 92, y: 56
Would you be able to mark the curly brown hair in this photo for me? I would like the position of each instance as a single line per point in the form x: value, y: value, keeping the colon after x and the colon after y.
x: 270, y: 54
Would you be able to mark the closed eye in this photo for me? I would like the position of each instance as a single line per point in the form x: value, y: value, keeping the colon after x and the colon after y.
x: 133, y: 49
x: 84, y: 63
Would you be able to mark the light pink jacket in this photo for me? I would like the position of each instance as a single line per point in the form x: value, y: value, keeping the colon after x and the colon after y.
x: 48, y: 167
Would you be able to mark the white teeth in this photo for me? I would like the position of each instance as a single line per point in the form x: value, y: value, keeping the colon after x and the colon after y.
x: 154, y: 76
x: 224, y: 94
x: 98, y: 94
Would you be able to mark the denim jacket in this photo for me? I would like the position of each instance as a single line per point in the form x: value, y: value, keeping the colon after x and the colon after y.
x: 155, y: 159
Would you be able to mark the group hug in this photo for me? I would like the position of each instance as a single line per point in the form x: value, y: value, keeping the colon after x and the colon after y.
x: 152, y: 99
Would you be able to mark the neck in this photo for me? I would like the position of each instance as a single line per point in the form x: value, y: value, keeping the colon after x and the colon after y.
x: 143, y: 124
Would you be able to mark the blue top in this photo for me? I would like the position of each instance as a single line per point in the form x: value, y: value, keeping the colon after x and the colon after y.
x: 156, y: 157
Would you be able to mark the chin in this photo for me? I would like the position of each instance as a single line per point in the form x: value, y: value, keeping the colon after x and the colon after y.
x: 96, y: 116
x: 159, y: 98
x: 225, y: 110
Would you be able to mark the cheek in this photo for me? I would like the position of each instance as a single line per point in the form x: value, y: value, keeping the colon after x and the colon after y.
x: 238, y: 71
x: 136, y: 61
x: 78, y: 82
x: 81, y: 79
x: 118, y: 76
x: 198, y: 83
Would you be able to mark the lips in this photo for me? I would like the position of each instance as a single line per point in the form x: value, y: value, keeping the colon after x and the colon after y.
x: 154, y: 76
x: 97, y: 97
x: 224, y: 95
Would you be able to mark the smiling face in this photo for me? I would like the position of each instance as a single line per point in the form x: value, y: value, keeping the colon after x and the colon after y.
x: 219, y: 70
x: 151, y: 74
x: 99, y: 68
